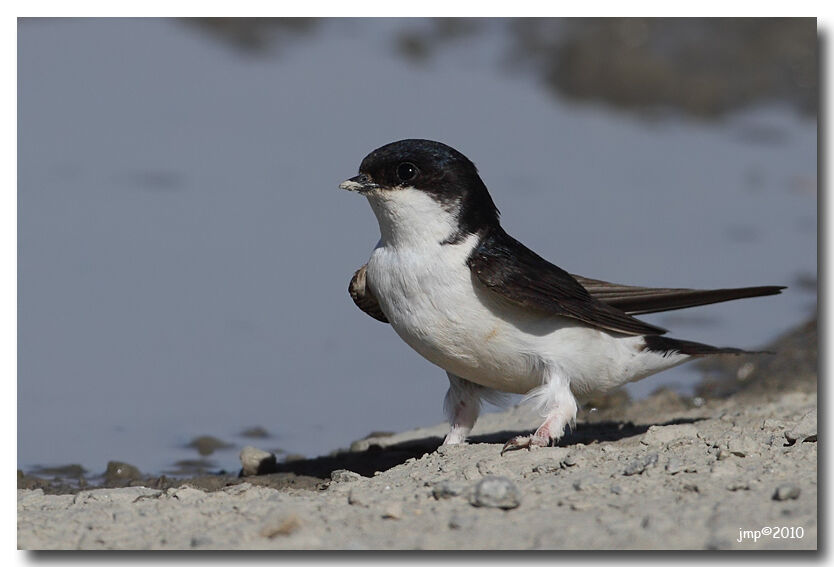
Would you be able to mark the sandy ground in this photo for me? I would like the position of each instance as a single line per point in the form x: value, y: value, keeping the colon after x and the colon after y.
x: 736, y: 472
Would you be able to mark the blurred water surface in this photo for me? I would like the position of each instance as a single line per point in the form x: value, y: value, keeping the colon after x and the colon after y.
x: 184, y: 251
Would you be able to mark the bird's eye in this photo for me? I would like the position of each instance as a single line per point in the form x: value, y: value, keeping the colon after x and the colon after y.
x: 406, y: 171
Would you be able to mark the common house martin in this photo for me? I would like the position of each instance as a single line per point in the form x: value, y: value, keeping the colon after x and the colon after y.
x: 496, y: 316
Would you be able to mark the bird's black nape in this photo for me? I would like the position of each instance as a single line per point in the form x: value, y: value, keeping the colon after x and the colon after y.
x: 441, y: 171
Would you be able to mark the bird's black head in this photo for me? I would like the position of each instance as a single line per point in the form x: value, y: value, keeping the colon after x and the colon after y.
x: 443, y: 173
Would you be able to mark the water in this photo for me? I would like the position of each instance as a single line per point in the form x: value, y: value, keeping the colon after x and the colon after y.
x: 184, y: 251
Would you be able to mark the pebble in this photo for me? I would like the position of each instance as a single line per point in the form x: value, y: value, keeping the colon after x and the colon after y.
x: 804, y: 430
x: 343, y: 475
x: 786, y: 492
x: 638, y: 466
x: 256, y: 461
x: 738, y: 485
x: 446, y: 489
x: 495, y: 492
x: 256, y: 432
x: 118, y: 471
x: 392, y: 511
x: 206, y: 444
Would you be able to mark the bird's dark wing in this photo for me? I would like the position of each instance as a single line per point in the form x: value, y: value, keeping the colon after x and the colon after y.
x: 519, y: 275
x: 636, y: 300
x: 363, y: 297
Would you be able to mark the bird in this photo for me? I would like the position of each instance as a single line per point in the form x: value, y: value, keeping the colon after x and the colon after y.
x: 496, y: 316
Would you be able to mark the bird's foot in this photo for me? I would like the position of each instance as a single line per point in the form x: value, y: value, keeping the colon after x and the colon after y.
x: 525, y: 442
x: 548, y: 433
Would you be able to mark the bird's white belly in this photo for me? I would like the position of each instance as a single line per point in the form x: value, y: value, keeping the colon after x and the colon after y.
x: 433, y: 304
x: 430, y: 303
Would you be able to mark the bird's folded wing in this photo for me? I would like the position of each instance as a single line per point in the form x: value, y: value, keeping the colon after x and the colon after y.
x: 636, y: 300
x: 363, y: 297
x: 516, y: 273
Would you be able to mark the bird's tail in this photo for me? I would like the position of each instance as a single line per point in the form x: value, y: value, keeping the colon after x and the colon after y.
x: 666, y: 345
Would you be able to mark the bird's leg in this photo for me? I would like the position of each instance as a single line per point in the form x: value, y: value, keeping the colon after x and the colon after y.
x: 462, y: 405
x: 558, y: 405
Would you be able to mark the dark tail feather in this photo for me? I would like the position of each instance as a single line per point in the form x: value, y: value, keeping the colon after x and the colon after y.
x: 636, y: 300
x: 661, y: 344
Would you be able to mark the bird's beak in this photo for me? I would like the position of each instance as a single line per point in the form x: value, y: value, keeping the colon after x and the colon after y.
x: 361, y: 184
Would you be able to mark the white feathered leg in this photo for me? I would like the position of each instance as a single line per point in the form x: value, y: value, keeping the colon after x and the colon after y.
x: 462, y: 405
x: 557, y: 405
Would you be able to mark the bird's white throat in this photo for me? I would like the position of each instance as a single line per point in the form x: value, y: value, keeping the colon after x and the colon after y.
x: 410, y: 218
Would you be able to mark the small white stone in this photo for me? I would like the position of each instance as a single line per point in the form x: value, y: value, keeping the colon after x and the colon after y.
x: 342, y: 475
x: 495, y: 492
x: 256, y: 461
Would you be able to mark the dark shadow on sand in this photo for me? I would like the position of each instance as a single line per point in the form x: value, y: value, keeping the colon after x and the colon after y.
x: 377, y: 458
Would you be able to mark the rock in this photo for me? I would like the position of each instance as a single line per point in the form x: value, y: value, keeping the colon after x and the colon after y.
x: 256, y: 432
x: 786, y: 492
x: 342, y: 475
x: 446, y: 489
x: 738, y: 485
x: 569, y: 461
x: 803, y: 430
x: 495, y: 492
x: 206, y: 444
x: 121, y: 473
x: 392, y: 511
x: 638, y: 466
x: 662, y: 434
x: 63, y: 471
x: 257, y: 461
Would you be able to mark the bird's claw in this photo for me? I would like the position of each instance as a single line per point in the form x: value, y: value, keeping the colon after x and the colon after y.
x: 525, y: 442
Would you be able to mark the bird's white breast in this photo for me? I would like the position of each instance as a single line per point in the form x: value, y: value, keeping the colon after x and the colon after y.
x: 433, y: 302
